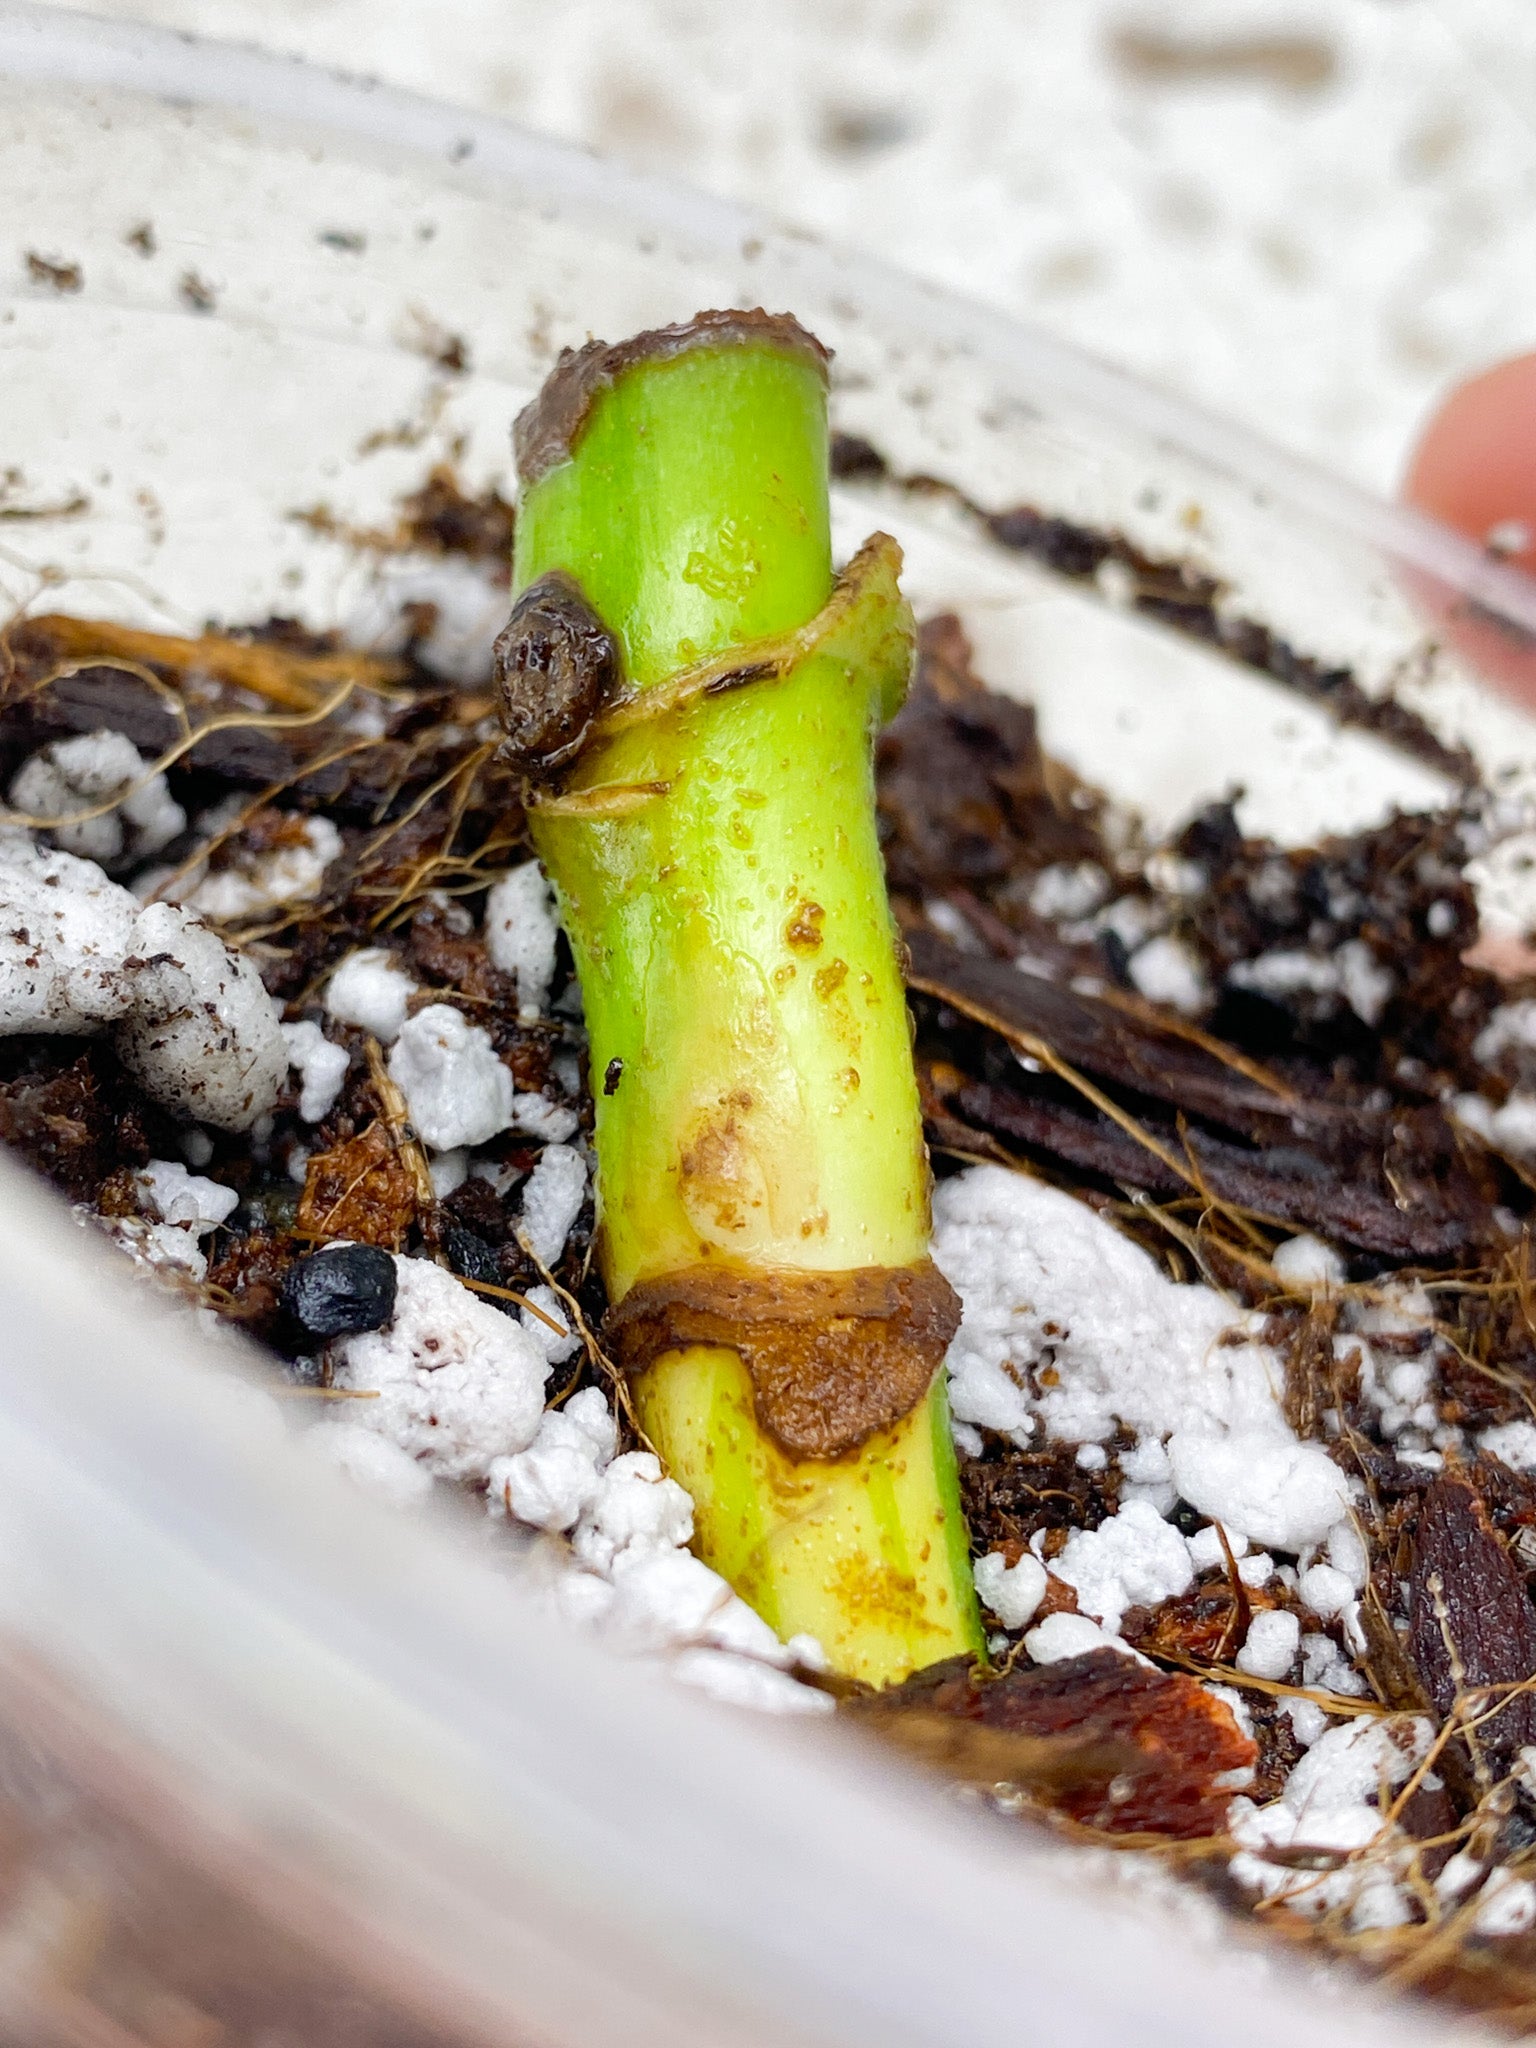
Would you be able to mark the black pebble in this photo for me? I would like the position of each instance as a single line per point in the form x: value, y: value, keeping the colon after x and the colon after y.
x: 338, y: 1292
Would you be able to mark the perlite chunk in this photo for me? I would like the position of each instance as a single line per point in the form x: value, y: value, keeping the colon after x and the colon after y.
x: 520, y: 934
x: 320, y: 1065
x: 459, y: 1385
x: 372, y: 990
x: 190, y: 1018
x: 98, y: 771
x: 458, y: 1090
x: 1047, y: 1282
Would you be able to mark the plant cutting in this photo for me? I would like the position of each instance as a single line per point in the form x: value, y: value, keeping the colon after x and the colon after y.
x: 692, y: 697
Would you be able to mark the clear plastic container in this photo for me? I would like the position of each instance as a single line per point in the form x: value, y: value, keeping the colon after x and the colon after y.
x: 275, y: 1766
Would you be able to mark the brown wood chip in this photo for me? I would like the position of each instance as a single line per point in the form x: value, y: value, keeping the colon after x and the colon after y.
x: 1471, y: 1619
x: 1111, y: 1742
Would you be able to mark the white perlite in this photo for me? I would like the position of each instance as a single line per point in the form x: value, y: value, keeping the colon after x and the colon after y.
x: 1347, y: 1554
x: 245, y: 884
x: 667, y: 1593
x: 1166, y: 970
x: 460, y: 1394
x: 1271, y: 1645
x: 202, y: 1038
x: 67, y: 933
x: 447, y: 1171
x: 1011, y: 1592
x: 1283, y: 1494
x: 1046, y: 1283
x: 553, y: 1483
x: 1367, y: 983
x: 667, y: 1604
x: 459, y: 1384
x: 1242, y: 1714
x: 556, y: 1345
x: 166, y: 1250
x: 520, y: 934
x: 320, y: 1066
x: 190, y: 1018
x: 1070, y: 1326
x: 371, y: 990
x: 1514, y: 1442
x: 1068, y: 890
x: 1512, y: 1027
x: 1061, y: 1636
x: 745, y: 1682
x: 1507, y: 1905
x: 638, y: 1510
x: 1508, y: 1126
x: 1353, y: 972
x: 1308, y: 1720
x: 1325, y: 1668
x: 1135, y: 1559
x: 1285, y: 972
x: 175, y: 1196
x: 537, y: 1117
x: 1330, y: 1802
x: 71, y: 776
x: 1205, y: 1548
x: 1326, y: 1591
x: 196, y: 1147
x: 552, y: 1201
x: 458, y: 1090
x: 628, y: 1578
x: 1306, y: 1262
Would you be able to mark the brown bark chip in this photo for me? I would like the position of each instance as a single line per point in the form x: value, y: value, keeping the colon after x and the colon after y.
x: 1392, y: 1181
x: 1471, y: 1620
x: 1187, y: 1739
x: 1149, y: 1751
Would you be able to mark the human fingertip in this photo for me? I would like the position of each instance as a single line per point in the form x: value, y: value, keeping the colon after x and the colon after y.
x: 1474, y: 465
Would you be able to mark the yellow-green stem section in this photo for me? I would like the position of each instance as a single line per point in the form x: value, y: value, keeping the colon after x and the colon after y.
x: 750, y: 1049
x: 869, y: 1555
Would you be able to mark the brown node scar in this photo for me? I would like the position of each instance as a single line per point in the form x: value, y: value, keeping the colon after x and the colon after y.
x: 833, y: 1357
x: 556, y: 667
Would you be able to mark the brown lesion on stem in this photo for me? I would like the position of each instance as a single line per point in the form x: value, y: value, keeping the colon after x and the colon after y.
x: 547, y: 430
x: 834, y: 1358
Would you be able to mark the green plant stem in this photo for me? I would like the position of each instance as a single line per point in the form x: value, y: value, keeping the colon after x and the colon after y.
x: 750, y: 1048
